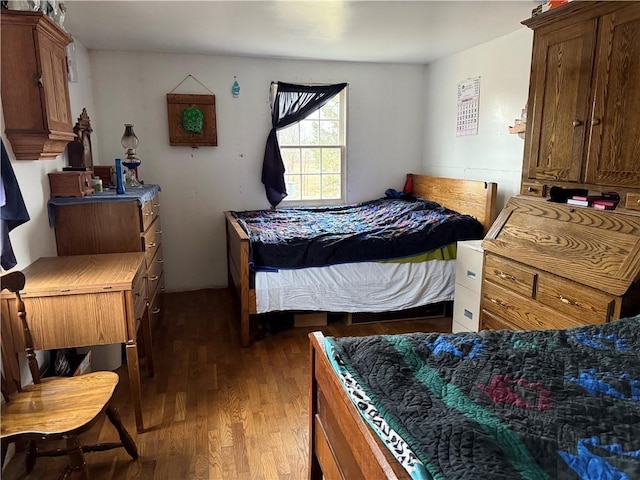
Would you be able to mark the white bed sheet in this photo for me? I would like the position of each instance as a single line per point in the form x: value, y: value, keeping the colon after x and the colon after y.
x: 356, y: 287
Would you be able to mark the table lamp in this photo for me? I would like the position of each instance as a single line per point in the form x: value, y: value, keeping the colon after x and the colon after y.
x: 131, y: 162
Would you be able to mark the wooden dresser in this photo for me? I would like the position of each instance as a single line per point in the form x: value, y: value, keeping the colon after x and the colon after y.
x: 109, y: 223
x: 551, y: 265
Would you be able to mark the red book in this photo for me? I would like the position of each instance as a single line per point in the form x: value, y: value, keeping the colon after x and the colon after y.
x: 589, y: 198
x: 606, y: 203
x: 600, y: 206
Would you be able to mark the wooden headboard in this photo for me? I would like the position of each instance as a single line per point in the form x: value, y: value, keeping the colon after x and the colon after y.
x: 471, y: 197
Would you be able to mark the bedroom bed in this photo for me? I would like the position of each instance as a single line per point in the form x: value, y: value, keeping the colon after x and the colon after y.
x: 343, y: 285
x: 492, y: 404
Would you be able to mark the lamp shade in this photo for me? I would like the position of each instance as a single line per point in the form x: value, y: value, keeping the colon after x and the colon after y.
x: 129, y: 139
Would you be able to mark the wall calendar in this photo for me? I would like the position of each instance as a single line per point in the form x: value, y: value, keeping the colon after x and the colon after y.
x: 468, y: 107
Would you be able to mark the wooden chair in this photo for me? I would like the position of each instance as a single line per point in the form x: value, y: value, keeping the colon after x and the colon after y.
x: 53, y: 408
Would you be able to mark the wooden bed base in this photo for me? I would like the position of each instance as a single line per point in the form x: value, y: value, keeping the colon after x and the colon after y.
x: 341, y: 444
x: 475, y: 198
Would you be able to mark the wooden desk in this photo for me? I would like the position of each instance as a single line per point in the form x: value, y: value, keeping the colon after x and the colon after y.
x: 84, y: 300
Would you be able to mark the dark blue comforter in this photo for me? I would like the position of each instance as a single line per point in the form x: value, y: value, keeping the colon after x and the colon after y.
x: 381, y: 229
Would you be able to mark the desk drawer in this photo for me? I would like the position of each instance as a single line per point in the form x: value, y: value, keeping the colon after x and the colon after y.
x: 584, y: 303
x: 60, y: 321
x: 510, y: 275
x: 633, y: 201
x: 533, y: 189
x: 525, y: 313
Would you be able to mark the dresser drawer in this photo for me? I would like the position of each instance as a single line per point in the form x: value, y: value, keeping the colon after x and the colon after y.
x: 155, y: 308
x: 584, y: 303
x: 154, y: 273
x: 469, y: 264
x: 152, y: 240
x: 509, y: 274
x: 150, y: 210
x: 489, y: 321
x: 525, y: 313
x: 139, y: 291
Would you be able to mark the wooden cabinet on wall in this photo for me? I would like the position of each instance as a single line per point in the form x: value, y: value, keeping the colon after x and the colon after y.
x: 35, y: 93
x: 110, y: 225
x: 551, y: 265
x: 584, y: 100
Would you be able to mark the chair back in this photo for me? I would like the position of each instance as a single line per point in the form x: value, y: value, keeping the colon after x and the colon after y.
x: 15, y: 282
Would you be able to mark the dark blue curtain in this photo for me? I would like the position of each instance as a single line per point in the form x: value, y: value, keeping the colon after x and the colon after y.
x: 292, y: 103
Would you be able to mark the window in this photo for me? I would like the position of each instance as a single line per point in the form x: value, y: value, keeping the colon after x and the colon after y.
x: 314, y: 155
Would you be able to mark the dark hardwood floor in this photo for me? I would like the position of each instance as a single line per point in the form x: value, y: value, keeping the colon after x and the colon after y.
x: 215, y: 410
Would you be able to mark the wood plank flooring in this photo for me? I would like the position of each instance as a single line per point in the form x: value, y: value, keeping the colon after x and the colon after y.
x: 215, y: 410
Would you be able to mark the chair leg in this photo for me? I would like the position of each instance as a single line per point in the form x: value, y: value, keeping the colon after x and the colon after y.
x: 127, y: 442
x: 30, y: 456
x: 77, y: 457
x: 5, y: 447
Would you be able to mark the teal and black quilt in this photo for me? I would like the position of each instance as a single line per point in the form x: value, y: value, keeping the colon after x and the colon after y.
x: 495, y: 405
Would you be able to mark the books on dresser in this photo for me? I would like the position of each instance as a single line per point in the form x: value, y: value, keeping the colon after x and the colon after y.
x: 604, y: 201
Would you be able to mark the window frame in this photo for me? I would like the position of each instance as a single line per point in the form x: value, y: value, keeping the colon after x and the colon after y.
x: 343, y: 129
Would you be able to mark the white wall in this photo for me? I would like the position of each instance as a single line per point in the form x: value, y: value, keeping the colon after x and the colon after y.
x: 35, y: 238
x: 494, y: 154
x: 385, y: 140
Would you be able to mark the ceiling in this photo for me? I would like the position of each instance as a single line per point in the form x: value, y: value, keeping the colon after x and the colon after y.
x: 356, y: 31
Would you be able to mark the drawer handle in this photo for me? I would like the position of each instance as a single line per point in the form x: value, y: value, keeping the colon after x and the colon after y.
x: 497, y: 302
x: 154, y: 278
x: 151, y: 245
x: 137, y: 294
x: 148, y: 214
x: 577, y: 123
x: 158, y: 231
x: 160, y: 260
x: 468, y: 314
x: 155, y: 310
x: 505, y: 276
x: 156, y: 204
x: 471, y: 275
x: 568, y: 302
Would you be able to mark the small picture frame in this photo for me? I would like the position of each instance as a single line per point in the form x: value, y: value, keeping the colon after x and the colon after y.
x: 178, y: 135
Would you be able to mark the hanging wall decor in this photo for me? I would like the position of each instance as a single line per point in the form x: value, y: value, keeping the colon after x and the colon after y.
x: 235, y: 88
x: 192, y: 119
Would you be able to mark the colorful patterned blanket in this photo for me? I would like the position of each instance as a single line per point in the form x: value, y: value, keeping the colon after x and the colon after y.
x: 502, y: 405
x: 376, y: 230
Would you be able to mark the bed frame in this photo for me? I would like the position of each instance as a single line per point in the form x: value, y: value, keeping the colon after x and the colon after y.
x: 475, y: 198
x: 341, y: 444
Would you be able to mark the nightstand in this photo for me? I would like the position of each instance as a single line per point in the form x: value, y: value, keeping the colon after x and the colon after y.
x: 466, y: 302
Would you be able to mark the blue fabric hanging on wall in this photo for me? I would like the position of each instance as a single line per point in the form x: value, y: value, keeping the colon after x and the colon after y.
x: 13, y: 211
